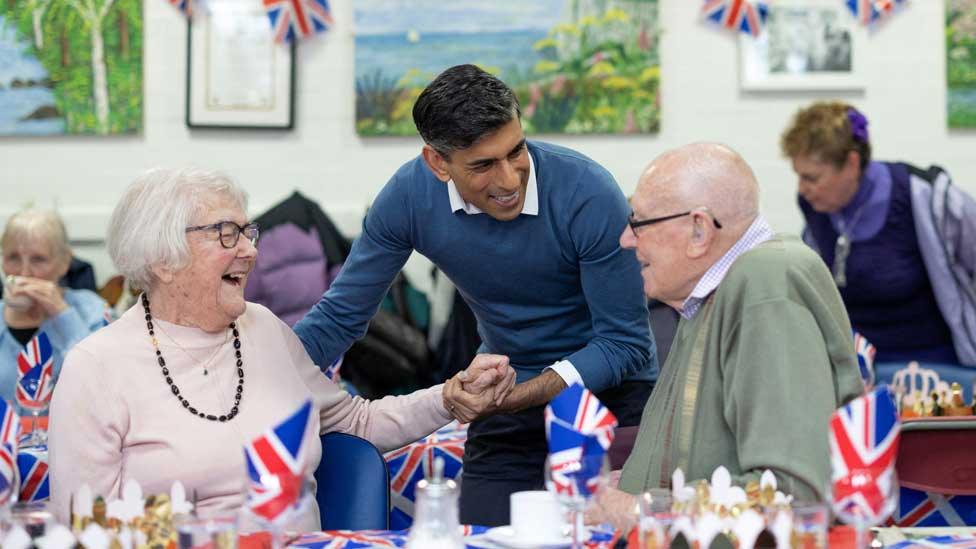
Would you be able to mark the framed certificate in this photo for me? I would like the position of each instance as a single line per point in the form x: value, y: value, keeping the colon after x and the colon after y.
x: 237, y: 75
x: 805, y: 45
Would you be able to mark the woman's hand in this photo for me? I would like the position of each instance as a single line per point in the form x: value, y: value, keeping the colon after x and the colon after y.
x: 46, y: 294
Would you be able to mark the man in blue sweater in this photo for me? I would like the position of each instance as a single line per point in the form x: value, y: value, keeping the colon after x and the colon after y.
x: 528, y: 232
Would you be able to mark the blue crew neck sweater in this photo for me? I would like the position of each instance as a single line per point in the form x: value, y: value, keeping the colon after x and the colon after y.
x: 543, y: 288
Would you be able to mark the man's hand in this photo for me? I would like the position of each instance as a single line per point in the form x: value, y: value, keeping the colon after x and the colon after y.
x: 480, y: 389
x: 614, y: 506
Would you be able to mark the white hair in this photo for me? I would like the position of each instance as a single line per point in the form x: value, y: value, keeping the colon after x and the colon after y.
x: 33, y: 224
x: 148, y: 225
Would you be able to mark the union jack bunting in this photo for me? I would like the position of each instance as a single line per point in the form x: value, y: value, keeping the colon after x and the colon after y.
x: 33, y: 471
x: 35, y: 367
x: 347, y: 539
x: 579, y: 429
x: 872, y: 11
x: 276, y: 463
x: 302, y: 18
x: 413, y: 462
x: 740, y: 15
x: 919, y: 509
x: 865, y: 359
x: 863, y: 444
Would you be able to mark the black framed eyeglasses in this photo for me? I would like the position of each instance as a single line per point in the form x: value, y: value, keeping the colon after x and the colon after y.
x: 635, y: 223
x: 230, y: 232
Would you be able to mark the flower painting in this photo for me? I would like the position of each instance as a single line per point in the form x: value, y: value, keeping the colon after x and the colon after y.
x: 961, y: 62
x: 577, y: 66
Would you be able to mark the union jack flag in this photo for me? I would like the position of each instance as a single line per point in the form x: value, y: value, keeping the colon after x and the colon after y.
x: 33, y: 471
x: 332, y: 371
x: 35, y: 366
x: 9, y: 424
x: 298, y: 17
x: 8, y: 468
x: 871, y: 11
x: 863, y: 445
x: 276, y: 463
x: 579, y: 429
x: 413, y: 462
x: 920, y: 509
x: 9, y: 430
x: 347, y: 539
x: 186, y: 6
x: 865, y: 359
x: 959, y: 541
x: 742, y: 15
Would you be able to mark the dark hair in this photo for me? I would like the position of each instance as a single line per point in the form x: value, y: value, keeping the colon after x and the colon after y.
x: 461, y: 106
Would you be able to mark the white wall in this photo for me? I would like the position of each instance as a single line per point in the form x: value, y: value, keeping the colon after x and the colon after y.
x: 904, y: 99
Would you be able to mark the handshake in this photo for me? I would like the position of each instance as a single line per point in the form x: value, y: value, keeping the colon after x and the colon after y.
x: 480, y: 389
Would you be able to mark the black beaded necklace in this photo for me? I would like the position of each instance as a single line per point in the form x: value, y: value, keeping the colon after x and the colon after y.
x: 176, y: 390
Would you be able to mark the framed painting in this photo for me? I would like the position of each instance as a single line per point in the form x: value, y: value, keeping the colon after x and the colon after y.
x: 805, y: 45
x: 237, y: 75
x: 70, y: 68
x: 577, y: 67
x: 960, y: 33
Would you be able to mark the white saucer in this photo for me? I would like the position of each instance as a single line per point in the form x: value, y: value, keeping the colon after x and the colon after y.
x: 505, y: 536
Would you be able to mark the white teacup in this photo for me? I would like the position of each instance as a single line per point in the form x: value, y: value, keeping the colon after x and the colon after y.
x: 537, y: 516
x: 13, y: 299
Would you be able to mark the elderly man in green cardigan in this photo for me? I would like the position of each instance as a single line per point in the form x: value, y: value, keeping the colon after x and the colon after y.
x: 763, y: 351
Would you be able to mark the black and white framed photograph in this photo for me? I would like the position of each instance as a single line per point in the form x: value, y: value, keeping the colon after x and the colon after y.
x: 805, y: 45
x: 237, y: 75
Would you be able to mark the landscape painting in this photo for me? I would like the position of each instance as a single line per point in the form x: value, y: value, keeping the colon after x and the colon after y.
x: 577, y: 66
x: 70, y: 67
x: 961, y: 62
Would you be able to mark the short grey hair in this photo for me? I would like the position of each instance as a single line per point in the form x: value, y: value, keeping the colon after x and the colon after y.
x: 44, y: 224
x: 148, y: 225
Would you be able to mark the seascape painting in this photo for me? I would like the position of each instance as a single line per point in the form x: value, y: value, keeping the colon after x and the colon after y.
x: 961, y: 63
x: 578, y: 66
x: 70, y: 67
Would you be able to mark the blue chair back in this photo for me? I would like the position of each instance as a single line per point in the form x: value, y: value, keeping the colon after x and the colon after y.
x: 353, y: 484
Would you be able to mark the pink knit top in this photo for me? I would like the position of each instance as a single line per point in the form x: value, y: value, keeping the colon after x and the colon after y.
x: 113, y: 417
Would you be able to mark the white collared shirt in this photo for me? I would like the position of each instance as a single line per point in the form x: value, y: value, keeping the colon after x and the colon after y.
x: 757, y: 233
x: 566, y: 370
x: 529, y: 207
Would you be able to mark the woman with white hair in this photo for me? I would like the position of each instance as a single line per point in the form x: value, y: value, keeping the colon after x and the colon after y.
x: 35, y: 256
x: 177, y: 386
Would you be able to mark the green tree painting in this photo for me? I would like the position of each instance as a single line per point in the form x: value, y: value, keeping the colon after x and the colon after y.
x: 578, y: 66
x: 70, y: 67
x: 961, y: 62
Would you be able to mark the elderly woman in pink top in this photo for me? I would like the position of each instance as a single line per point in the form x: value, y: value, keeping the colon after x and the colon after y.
x: 176, y: 387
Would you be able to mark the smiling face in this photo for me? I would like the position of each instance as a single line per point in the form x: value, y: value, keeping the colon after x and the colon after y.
x: 825, y: 186
x: 492, y: 174
x: 210, y: 290
x: 661, y: 250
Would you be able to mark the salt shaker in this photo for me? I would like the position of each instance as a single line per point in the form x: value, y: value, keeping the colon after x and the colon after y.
x: 435, y: 525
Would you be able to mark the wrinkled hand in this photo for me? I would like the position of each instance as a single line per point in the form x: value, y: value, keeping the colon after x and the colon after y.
x: 612, y: 506
x: 46, y: 294
x: 480, y: 389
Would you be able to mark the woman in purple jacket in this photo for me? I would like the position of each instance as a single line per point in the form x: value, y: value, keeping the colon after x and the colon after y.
x: 900, y: 240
